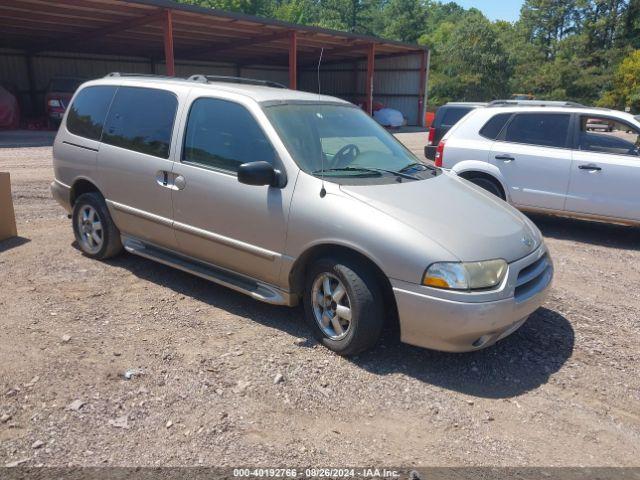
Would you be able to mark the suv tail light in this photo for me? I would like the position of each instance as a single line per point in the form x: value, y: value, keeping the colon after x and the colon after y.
x: 432, y: 136
x: 440, y: 153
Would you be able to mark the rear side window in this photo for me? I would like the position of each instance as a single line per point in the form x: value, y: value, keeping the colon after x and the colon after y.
x: 453, y: 115
x: 141, y: 119
x: 543, y: 129
x: 224, y: 135
x: 495, y: 125
x: 87, y: 113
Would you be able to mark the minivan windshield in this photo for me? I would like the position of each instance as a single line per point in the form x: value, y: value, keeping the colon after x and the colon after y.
x: 342, y: 141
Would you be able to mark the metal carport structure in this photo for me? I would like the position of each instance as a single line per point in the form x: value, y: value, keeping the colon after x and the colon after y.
x: 164, y: 37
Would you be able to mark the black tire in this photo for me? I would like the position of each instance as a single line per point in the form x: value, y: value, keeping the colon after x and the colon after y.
x: 487, y: 184
x: 365, y: 300
x: 111, y: 244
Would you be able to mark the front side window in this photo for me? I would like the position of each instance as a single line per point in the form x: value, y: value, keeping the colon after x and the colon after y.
x: 141, y: 119
x: 605, y: 135
x: 224, y: 135
x: 88, y: 111
x: 342, y: 142
x: 542, y: 129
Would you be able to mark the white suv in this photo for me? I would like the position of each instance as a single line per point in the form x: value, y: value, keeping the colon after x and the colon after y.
x: 551, y: 157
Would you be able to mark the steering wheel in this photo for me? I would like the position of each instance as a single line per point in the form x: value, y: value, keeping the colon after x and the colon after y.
x: 345, y: 155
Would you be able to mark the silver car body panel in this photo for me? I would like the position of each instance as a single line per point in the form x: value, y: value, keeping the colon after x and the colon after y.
x: 241, y: 235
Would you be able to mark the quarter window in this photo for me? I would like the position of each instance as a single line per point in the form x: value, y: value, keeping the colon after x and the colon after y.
x: 88, y: 111
x: 494, y: 126
x: 543, y: 129
x: 605, y: 135
x: 224, y: 135
x: 141, y: 119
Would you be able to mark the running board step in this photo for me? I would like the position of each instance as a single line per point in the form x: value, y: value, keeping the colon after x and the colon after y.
x: 234, y: 281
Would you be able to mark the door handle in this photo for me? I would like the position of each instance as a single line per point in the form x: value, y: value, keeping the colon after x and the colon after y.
x: 505, y: 158
x: 162, y: 178
x: 591, y: 167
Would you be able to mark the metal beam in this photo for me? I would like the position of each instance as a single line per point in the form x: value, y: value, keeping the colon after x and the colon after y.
x: 233, y: 44
x: 328, y: 53
x: 83, y: 37
x: 168, y: 44
x: 293, y: 60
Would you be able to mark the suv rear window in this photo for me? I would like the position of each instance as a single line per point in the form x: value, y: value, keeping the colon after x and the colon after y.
x: 88, y: 111
x: 453, y: 114
x: 495, y: 125
x: 543, y: 129
x: 141, y: 119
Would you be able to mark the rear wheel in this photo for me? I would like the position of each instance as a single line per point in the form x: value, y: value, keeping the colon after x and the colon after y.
x: 343, y: 305
x: 488, y: 184
x: 95, y: 232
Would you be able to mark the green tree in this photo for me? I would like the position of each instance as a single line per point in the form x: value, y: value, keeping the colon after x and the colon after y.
x: 251, y: 7
x: 546, y: 22
x: 406, y: 20
x: 625, y: 92
x: 475, y: 63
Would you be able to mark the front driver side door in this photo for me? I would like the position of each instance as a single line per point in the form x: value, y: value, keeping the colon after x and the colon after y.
x: 605, y: 175
x: 217, y: 219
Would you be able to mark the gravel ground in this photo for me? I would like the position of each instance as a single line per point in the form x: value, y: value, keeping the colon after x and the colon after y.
x: 220, y: 379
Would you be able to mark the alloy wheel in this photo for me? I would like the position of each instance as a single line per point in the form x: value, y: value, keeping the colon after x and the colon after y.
x: 331, y: 306
x: 90, y: 229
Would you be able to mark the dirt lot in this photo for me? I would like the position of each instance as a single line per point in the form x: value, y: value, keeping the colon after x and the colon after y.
x: 563, y: 390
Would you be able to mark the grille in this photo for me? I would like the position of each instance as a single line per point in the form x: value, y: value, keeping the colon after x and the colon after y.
x: 530, y: 277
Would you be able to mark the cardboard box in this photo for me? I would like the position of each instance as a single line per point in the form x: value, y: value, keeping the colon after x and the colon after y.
x: 7, y: 215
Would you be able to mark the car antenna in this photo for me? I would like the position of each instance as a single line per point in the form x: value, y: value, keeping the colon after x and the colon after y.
x: 323, y: 191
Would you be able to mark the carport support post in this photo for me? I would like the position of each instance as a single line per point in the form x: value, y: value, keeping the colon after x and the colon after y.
x: 422, y: 94
x: 293, y: 60
x: 33, y: 96
x: 371, y: 60
x: 168, y: 43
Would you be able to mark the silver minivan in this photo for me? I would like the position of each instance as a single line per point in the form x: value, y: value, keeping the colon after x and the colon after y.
x: 295, y: 197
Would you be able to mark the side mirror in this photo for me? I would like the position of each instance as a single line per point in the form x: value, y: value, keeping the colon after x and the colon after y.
x: 258, y: 173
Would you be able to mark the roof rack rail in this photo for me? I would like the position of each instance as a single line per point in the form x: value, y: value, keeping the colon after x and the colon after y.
x: 243, y: 80
x: 127, y: 74
x: 535, y: 103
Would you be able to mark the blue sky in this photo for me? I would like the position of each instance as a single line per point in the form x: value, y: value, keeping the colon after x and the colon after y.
x: 495, y: 9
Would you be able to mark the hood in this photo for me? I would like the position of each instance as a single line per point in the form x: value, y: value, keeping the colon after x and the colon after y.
x: 465, y: 220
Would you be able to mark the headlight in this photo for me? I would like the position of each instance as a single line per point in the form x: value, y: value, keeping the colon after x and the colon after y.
x: 466, y: 275
x: 54, y: 103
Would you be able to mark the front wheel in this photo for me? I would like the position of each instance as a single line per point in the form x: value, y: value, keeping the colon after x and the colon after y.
x: 343, y: 305
x: 489, y: 185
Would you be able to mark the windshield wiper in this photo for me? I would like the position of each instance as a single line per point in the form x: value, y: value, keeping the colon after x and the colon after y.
x: 419, y: 164
x: 367, y: 169
x: 393, y: 172
x: 347, y: 169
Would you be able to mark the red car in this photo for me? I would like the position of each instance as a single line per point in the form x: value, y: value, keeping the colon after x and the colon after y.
x: 58, y: 96
x: 9, y: 110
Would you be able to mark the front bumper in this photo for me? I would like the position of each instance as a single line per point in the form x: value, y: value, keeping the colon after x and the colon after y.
x: 431, y: 321
x: 61, y: 193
